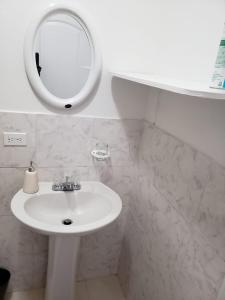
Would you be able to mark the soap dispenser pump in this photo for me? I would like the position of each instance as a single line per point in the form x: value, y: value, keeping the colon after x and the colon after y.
x: 30, y: 185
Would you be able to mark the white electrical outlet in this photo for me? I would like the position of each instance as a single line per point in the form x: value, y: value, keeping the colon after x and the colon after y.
x: 15, y: 138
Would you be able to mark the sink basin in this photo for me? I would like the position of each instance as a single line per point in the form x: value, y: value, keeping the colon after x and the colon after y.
x: 89, y: 209
x: 65, y: 216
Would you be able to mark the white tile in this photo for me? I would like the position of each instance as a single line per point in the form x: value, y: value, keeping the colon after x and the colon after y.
x: 26, y: 295
x: 82, y: 293
x: 56, y: 144
x: 104, y: 288
x: 100, y: 251
x: 17, y: 122
x: 11, y: 182
x: 63, y: 141
x: 122, y: 137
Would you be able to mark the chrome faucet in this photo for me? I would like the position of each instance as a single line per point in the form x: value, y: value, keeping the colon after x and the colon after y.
x: 67, y: 186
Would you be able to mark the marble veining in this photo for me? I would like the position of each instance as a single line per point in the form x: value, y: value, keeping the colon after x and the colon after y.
x: 63, y: 141
x: 191, y: 181
x: 17, y: 122
x: 169, y: 241
x: 10, y: 182
x: 61, y: 145
x: 24, y: 253
x: 175, y: 221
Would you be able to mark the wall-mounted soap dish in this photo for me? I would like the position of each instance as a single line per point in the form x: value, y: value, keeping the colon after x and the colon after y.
x: 101, y: 152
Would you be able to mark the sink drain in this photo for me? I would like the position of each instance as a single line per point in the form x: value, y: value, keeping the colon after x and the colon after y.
x: 67, y: 222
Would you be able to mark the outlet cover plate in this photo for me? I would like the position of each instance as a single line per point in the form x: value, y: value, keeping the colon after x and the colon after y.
x: 15, y: 139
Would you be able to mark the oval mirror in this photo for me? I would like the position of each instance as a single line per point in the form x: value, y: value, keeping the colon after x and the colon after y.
x: 62, y: 60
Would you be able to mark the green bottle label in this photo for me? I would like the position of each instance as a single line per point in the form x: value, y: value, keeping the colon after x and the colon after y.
x: 218, y: 79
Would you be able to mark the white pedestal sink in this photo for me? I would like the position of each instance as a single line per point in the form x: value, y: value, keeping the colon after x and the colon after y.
x: 88, y: 210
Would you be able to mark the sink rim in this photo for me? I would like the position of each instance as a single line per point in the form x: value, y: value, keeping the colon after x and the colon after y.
x: 20, y: 199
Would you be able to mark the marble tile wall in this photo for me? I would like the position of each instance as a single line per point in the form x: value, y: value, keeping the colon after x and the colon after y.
x: 169, y: 241
x: 174, y: 241
x: 62, y: 144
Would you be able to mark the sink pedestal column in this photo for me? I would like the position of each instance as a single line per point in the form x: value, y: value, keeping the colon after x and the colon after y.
x: 62, y: 265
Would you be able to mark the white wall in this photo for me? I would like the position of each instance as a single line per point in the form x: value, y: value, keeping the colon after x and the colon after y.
x: 187, y: 35
x: 176, y: 38
x: 187, y: 50
x: 198, y: 122
x: 110, y: 19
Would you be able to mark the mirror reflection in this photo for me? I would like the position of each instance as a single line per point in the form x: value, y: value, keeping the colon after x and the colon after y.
x: 63, y: 55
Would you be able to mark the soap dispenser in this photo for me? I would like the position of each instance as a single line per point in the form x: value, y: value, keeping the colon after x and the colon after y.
x: 30, y: 185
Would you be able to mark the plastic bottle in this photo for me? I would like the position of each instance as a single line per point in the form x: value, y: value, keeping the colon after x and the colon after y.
x: 218, y: 79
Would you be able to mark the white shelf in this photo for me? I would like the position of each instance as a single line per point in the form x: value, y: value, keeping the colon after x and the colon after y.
x: 195, y: 89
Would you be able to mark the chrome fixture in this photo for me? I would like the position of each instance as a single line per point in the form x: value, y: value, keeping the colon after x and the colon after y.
x: 67, y: 186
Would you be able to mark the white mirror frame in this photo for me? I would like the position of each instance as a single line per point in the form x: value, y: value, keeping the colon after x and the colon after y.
x: 30, y: 65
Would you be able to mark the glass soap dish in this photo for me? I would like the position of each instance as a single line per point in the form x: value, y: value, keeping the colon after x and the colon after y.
x: 101, y: 152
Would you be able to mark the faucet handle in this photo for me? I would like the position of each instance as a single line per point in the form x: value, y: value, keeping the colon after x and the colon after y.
x: 68, y: 184
x: 76, y: 181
